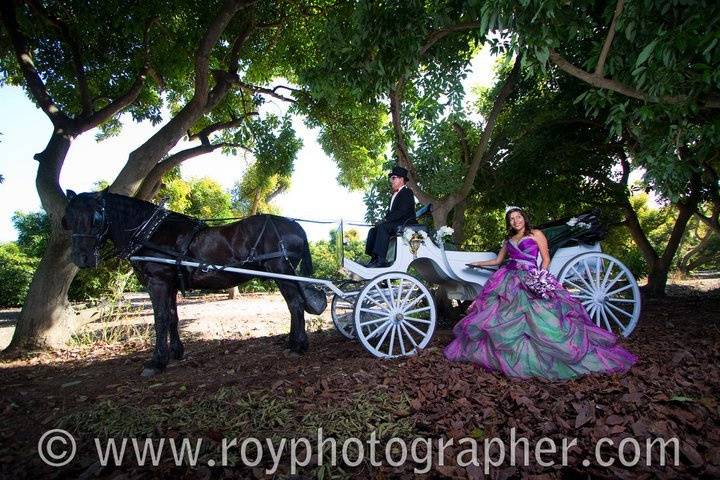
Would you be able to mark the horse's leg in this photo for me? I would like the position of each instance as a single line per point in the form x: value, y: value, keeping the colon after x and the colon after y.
x: 177, y: 350
x: 298, y: 341
x: 162, y: 297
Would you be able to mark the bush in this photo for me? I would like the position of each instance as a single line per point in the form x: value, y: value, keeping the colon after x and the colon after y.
x: 16, y: 272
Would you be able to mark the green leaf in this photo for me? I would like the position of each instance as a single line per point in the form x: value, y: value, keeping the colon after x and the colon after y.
x: 542, y: 54
x: 646, y: 52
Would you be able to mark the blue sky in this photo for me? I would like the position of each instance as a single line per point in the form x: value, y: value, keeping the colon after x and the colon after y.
x: 314, y: 193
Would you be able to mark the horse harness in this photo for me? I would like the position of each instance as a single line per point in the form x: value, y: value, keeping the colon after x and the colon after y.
x: 141, y: 239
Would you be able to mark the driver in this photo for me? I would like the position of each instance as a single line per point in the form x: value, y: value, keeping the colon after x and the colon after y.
x: 401, y: 211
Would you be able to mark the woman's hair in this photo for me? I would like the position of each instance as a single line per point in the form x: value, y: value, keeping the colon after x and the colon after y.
x: 510, y: 230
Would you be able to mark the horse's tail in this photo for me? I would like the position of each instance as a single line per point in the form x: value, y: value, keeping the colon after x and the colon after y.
x: 306, y: 266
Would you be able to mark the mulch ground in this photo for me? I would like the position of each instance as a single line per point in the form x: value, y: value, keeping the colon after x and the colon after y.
x: 672, y: 392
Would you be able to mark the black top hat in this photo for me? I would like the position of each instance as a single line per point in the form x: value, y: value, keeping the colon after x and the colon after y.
x: 399, y: 171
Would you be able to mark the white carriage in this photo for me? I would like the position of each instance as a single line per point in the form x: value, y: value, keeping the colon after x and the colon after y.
x: 392, y: 313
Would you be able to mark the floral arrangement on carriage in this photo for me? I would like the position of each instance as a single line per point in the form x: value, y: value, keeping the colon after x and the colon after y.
x: 415, y: 238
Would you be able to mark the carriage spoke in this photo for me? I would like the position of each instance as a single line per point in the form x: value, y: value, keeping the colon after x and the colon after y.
x: 591, y: 313
x: 372, y: 322
x: 399, y: 292
x: 375, y: 332
x: 614, y: 280
x: 605, y: 319
x: 617, y: 321
x: 378, y: 304
x: 589, y: 273
x: 408, y: 294
x: 400, y: 337
x: 417, y: 310
x: 621, y: 300
x: 589, y: 288
x: 619, y: 290
x: 586, y: 297
x: 421, y: 320
x: 410, y: 325
x: 382, y: 295
x: 410, y: 337
x: 578, y: 287
x: 607, y: 272
x: 620, y: 310
x: 374, y: 312
x: 598, y: 262
x: 404, y: 307
x: 392, y: 339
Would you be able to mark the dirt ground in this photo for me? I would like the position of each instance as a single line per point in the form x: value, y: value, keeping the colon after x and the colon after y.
x: 238, y: 380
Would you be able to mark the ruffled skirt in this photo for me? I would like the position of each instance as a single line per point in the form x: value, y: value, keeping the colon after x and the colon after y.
x: 508, y: 329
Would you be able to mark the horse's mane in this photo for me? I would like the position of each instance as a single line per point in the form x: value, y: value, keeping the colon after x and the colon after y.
x: 141, y: 209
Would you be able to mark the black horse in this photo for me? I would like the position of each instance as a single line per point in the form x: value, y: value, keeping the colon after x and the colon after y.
x: 261, y: 242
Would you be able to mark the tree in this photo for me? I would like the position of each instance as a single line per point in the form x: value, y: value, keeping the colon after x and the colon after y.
x: 211, y: 62
x: 652, y: 72
x: 413, y: 56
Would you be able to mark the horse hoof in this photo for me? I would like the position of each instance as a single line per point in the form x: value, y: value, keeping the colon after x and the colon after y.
x: 149, y: 372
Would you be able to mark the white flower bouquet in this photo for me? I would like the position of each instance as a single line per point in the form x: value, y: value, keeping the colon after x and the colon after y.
x: 443, y: 232
x: 574, y: 222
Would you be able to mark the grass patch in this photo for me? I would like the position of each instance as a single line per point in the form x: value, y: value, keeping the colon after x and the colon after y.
x: 233, y: 413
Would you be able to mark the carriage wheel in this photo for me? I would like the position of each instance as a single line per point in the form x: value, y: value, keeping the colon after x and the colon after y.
x: 342, y: 309
x: 394, y: 315
x: 607, y: 290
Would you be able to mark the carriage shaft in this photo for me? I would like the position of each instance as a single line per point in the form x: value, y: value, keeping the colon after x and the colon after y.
x: 245, y: 271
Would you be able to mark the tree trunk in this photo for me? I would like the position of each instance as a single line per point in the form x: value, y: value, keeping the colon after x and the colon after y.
x: 458, y: 223
x: 686, y: 264
x: 657, y: 280
x: 47, y: 319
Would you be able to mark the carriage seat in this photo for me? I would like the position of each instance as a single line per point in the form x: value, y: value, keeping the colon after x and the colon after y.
x: 421, y: 212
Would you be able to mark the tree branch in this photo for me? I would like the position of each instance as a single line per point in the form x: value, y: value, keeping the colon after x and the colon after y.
x: 438, y: 35
x: 204, y: 134
x: 153, y: 180
x: 498, y: 105
x: 24, y: 58
x: 608, y: 84
x: 270, y: 91
x: 608, y: 39
x: 117, y: 105
x: 75, y: 53
x: 401, y: 148
x: 462, y: 137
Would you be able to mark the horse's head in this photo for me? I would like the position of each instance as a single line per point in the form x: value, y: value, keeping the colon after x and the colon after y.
x: 85, y: 218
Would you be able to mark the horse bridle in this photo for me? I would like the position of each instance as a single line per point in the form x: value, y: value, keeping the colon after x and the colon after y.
x: 98, y: 229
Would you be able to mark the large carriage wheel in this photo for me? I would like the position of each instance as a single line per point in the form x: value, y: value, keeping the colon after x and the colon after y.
x: 342, y: 308
x: 606, y: 288
x: 394, y: 315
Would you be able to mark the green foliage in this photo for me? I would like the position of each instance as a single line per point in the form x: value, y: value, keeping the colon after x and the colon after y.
x: 207, y: 199
x: 16, y: 271
x: 665, y: 51
x: 33, y: 231
x: 108, y: 281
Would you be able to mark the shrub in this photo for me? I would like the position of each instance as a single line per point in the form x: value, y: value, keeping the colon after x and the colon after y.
x: 16, y: 272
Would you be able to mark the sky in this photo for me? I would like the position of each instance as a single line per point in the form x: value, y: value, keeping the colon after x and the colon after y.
x: 314, y: 192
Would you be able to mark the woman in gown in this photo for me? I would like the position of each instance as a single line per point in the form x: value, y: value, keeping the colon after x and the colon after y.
x: 511, y: 329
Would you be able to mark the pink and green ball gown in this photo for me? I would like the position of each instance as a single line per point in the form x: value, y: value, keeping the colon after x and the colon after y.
x: 510, y: 330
